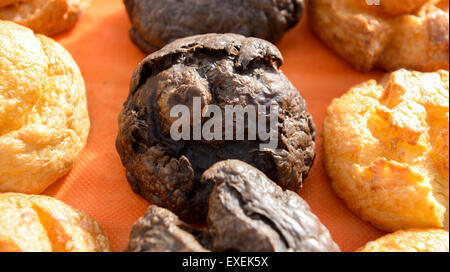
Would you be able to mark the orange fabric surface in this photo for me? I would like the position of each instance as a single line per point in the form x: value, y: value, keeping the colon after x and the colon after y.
x: 100, y: 45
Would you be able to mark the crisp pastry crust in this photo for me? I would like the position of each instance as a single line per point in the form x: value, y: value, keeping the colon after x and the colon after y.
x: 43, y: 224
x: 414, y: 240
x: 47, y: 17
x: 412, y: 34
x: 4, y: 3
x: 386, y: 150
x: 44, y: 121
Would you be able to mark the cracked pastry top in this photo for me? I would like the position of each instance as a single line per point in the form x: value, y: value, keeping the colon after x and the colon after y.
x: 247, y: 213
x: 44, y: 121
x: 411, y: 34
x: 222, y: 69
x: 386, y: 150
x: 158, y: 22
x: 47, y: 17
x: 412, y: 240
x: 34, y: 223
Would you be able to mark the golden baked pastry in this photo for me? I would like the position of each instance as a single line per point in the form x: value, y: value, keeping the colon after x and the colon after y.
x: 44, y: 224
x: 412, y: 34
x: 386, y: 150
x: 44, y: 121
x: 413, y: 240
x: 4, y: 3
x: 48, y: 17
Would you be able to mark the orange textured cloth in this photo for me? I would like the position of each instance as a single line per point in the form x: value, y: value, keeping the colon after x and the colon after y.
x: 100, y: 45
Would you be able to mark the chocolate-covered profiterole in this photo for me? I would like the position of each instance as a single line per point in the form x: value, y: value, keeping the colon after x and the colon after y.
x: 247, y: 212
x: 221, y: 70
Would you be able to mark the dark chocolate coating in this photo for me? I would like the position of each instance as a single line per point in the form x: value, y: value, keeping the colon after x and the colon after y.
x: 159, y: 230
x: 223, y: 69
x: 158, y: 22
x: 247, y: 213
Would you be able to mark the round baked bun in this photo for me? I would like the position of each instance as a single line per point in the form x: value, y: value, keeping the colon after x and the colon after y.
x: 43, y: 224
x: 410, y: 34
x: 157, y: 23
x: 4, y: 3
x: 47, y: 17
x: 223, y: 71
x: 414, y: 240
x: 44, y: 121
x: 386, y: 150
